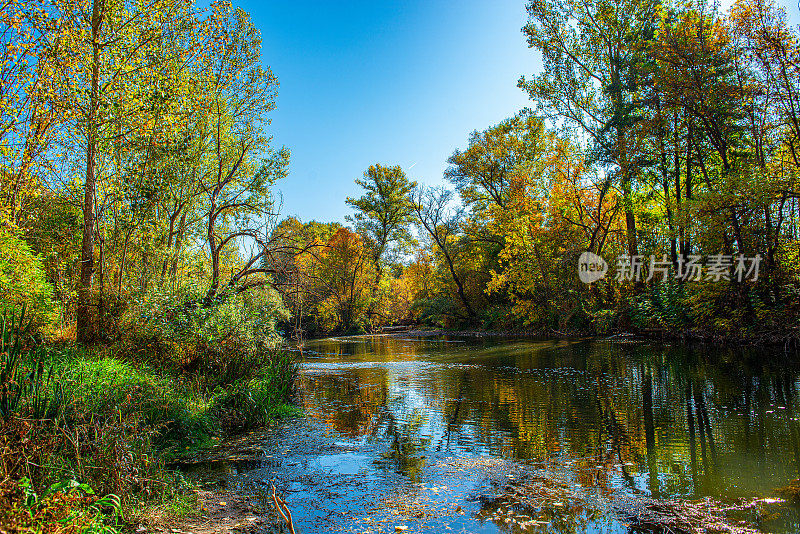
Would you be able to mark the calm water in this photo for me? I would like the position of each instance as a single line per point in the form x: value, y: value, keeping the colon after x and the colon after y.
x: 617, y: 417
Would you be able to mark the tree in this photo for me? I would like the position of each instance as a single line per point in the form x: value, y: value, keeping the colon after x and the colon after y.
x: 550, y: 219
x: 770, y: 64
x: 343, y: 271
x: 382, y: 213
x: 774, y: 53
x: 100, y: 93
x: 592, y: 72
x: 431, y: 206
x: 696, y: 73
x: 23, y: 284
x: 241, y: 163
x: 28, y: 116
x: 482, y: 174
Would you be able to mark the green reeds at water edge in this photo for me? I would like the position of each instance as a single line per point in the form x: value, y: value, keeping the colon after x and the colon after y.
x: 111, y: 420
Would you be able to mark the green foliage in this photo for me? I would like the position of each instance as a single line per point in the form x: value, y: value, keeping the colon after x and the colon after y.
x: 13, y: 383
x: 110, y: 423
x: 498, y: 317
x: 23, y: 281
x: 661, y: 305
x: 250, y: 403
x: 248, y: 319
x: 215, y: 345
x: 110, y: 387
x: 64, y: 507
x: 603, y: 321
x: 484, y: 173
x: 438, y: 311
x: 26, y: 375
x: 384, y: 210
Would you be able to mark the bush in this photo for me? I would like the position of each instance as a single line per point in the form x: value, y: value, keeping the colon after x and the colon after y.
x: 438, y: 311
x: 250, y: 403
x: 603, y: 321
x: 64, y: 508
x: 660, y: 305
x: 102, y: 422
x: 108, y: 386
x: 218, y: 345
x: 498, y: 316
x: 109, y: 421
x: 22, y: 280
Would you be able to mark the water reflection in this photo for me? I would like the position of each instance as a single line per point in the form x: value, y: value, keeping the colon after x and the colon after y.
x: 667, y: 421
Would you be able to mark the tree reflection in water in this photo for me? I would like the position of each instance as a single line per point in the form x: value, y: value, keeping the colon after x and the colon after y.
x: 665, y: 420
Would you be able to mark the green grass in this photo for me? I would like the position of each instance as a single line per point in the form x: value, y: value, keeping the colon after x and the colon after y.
x: 252, y: 402
x: 112, y: 424
x: 105, y: 385
x: 100, y: 384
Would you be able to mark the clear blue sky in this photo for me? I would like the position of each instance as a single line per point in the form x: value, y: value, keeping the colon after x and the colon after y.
x: 387, y: 81
x: 384, y: 81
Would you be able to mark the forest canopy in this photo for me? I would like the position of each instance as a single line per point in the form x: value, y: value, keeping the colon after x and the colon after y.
x: 138, y: 170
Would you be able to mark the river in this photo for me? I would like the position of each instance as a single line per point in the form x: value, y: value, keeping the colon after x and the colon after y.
x: 427, y: 433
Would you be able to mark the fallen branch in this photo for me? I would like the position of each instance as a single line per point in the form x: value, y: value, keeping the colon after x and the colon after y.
x: 283, y: 509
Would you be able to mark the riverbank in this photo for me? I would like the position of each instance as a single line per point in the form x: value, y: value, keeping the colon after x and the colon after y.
x: 788, y: 339
x: 87, y: 433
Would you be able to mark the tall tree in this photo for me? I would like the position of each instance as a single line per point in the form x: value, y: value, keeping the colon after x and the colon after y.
x: 96, y: 95
x: 28, y: 115
x: 434, y: 216
x: 242, y: 165
x: 383, y: 213
x: 591, y: 78
x: 697, y: 74
x: 343, y: 274
x: 483, y: 172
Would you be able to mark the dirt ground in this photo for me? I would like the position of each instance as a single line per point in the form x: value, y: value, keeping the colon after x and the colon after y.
x: 220, y: 512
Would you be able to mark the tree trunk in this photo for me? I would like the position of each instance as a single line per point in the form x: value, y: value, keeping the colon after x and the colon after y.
x: 165, y: 265
x: 101, y: 303
x: 122, y: 262
x: 173, y: 273
x: 214, y: 251
x: 630, y: 218
x: 84, y: 324
x: 459, y: 285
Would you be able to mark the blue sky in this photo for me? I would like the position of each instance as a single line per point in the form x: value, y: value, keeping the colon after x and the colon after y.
x: 387, y: 81
x: 390, y: 82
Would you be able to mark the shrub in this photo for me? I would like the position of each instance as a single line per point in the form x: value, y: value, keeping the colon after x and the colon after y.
x: 437, y: 311
x: 250, y: 403
x: 22, y: 280
x: 64, y: 508
x: 218, y: 344
x: 103, y: 423
x: 660, y: 305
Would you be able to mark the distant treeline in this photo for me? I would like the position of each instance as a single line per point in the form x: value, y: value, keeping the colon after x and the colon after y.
x: 660, y: 134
